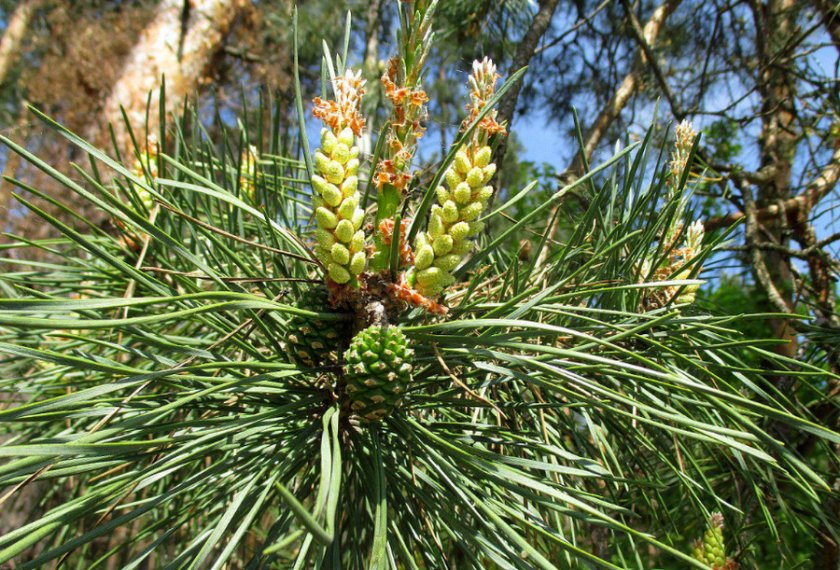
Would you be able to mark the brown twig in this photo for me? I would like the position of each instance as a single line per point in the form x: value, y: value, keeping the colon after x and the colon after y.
x: 796, y: 208
x: 457, y: 381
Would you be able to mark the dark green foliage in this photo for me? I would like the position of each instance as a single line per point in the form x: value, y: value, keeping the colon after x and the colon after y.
x: 312, y: 341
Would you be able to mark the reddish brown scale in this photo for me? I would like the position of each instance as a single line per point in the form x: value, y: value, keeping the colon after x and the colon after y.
x: 340, y: 295
x: 402, y: 292
x: 406, y: 128
x: 386, y: 230
x: 343, y: 111
x: 129, y: 239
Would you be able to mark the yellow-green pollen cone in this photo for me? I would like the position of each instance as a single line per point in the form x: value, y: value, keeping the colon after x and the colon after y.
x: 710, y: 550
x: 146, y: 163
x: 453, y: 220
x: 340, y: 238
x: 462, y: 199
x: 248, y: 173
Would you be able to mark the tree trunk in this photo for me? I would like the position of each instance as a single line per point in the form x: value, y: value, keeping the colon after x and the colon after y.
x: 524, y: 52
x: 179, y: 44
x: 775, y: 35
x: 14, y: 35
x: 775, y: 22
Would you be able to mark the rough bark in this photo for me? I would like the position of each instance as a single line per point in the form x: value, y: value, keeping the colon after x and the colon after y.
x: 14, y: 35
x: 775, y: 26
x: 777, y: 145
x: 179, y: 44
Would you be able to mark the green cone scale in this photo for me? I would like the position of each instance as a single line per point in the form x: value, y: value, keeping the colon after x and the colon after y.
x: 311, y: 341
x: 377, y: 371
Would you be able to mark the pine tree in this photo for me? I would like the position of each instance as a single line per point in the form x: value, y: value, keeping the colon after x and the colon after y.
x: 256, y: 372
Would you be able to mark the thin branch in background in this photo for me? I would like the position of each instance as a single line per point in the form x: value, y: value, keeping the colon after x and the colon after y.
x: 797, y: 207
x: 612, y: 110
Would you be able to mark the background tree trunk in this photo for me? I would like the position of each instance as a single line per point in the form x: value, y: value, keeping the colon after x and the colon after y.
x: 179, y: 44
x: 524, y: 52
x: 774, y: 28
x: 612, y: 110
x: 14, y: 35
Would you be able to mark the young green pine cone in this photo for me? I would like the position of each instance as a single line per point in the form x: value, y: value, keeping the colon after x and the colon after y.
x: 377, y: 370
x: 311, y: 341
x: 339, y: 236
x: 453, y: 220
x: 713, y: 545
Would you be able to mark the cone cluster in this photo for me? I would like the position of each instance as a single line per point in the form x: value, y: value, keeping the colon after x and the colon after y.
x: 340, y: 238
x: 452, y: 222
x: 377, y: 371
x: 683, y: 244
x: 311, y: 341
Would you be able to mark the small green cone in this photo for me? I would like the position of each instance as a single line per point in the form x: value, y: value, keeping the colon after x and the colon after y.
x: 377, y: 370
x: 313, y: 342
